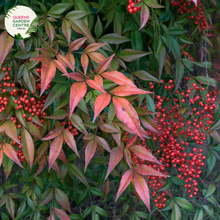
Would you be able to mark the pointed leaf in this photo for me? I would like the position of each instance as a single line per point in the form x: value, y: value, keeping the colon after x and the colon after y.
x: 50, y: 31
x: 75, y: 75
x: 28, y: 146
x: 77, y: 92
x: 68, y: 61
x: 5, y: 46
x: 76, y: 44
x: 55, y: 93
x: 69, y: 139
x: 114, y: 39
x: 131, y: 141
x: 127, y: 156
x: 93, y: 47
x: 100, y: 103
x: 48, y: 72
x: 142, y: 189
x: 145, y: 76
x: 61, y: 214
x: 66, y: 28
x: 10, y: 205
x: 84, y: 62
x: 176, y: 214
x: 46, y: 197
x: 115, y: 157
x: 62, y: 199
x: 147, y: 170
x: 33, y: 129
x: 127, y: 114
x: 41, y: 166
x: 97, y: 57
x: 10, y: 152
x: 150, y: 125
x: 56, y: 167
x: 58, y: 115
x: 104, y: 65
x: 103, y: 143
x: 11, y: 131
x: 55, y: 149
x: 78, y: 123
x: 59, y: 65
x: 1, y: 156
x: 144, y: 15
x: 95, y: 85
x: 118, y: 78
x: 130, y: 55
x: 126, y: 90
x: 89, y: 152
x: 78, y: 173
x: 125, y: 181
x: 52, y: 217
x: 52, y: 134
x: 143, y: 153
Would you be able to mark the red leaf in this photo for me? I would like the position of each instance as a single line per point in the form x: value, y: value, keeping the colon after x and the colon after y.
x: 61, y: 214
x: 66, y: 28
x: 56, y: 167
x: 100, y: 103
x: 50, y: 31
x: 77, y: 92
x: 104, y: 65
x: 28, y: 146
x: 68, y: 61
x: 84, y: 62
x: 69, y: 139
x: 1, y: 156
x: 150, y: 125
x: 125, y: 181
x: 11, y: 153
x: 51, y: 217
x: 143, y: 153
x: 5, y: 45
x: 55, y: 149
x: 62, y: 156
x: 93, y: 47
x: 144, y: 15
x: 97, y: 57
x: 126, y: 90
x: 76, y: 44
x: 127, y: 156
x: 48, y: 72
x: 118, y: 78
x: 59, y: 65
x: 41, y: 166
x: 103, y: 143
x: 115, y: 157
x: 99, y: 80
x: 46, y: 197
x: 89, y: 152
x: 11, y: 131
x: 75, y: 75
x: 142, y: 189
x: 52, y: 134
x: 109, y: 128
x: 131, y: 141
x: 147, y: 170
x: 95, y: 85
x: 127, y: 114
x: 42, y: 58
x: 62, y: 199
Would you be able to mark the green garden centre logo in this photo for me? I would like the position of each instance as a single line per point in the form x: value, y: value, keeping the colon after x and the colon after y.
x: 20, y: 21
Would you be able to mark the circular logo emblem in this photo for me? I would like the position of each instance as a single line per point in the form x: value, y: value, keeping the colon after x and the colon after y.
x: 20, y: 21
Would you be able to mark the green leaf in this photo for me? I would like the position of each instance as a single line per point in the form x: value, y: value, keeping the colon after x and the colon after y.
x: 206, y: 80
x: 58, y: 115
x: 176, y: 214
x: 76, y: 14
x: 96, y: 192
x: 136, y: 40
x: 184, y: 203
x: 113, y: 39
x: 205, y: 64
x: 55, y: 93
x: 175, y: 48
x: 153, y: 4
x: 185, y: 40
x: 130, y: 55
x: 98, y: 28
x: 59, y: 8
x: 100, y: 211
x: 209, y: 211
x: 198, y: 215
x: 179, y: 73
x: 145, y: 76
x: 217, y: 177
x: 211, y: 189
x: 211, y: 163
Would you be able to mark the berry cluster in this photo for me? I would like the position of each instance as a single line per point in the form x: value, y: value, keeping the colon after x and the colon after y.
x: 68, y: 126
x: 131, y: 7
x: 19, y: 150
x: 195, y: 13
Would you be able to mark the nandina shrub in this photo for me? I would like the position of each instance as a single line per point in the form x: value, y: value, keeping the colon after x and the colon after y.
x: 94, y: 127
